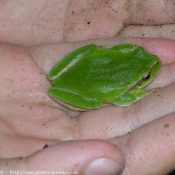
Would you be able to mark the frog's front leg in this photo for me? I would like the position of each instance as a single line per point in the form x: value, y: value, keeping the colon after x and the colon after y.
x: 74, y: 100
x: 70, y: 60
x: 132, y: 97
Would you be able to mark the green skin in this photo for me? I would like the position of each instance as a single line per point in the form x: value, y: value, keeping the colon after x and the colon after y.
x: 92, y: 76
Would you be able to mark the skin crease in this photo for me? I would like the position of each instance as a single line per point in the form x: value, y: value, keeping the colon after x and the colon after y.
x: 142, y: 134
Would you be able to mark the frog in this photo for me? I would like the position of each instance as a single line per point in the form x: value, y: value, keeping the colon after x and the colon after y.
x: 92, y: 76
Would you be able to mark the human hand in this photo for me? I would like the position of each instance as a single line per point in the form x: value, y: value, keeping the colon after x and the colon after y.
x: 38, y: 121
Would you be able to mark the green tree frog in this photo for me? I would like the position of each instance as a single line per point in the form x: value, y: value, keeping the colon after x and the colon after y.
x: 92, y: 76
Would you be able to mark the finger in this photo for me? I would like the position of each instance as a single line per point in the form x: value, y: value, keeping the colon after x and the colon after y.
x: 151, y: 145
x: 163, y: 48
x: 83, y: 157
x: 152, y: 12
x: 150, y: 31
x: 113, y: 121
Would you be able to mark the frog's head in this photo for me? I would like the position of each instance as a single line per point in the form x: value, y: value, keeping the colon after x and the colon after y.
x: 152, y: 73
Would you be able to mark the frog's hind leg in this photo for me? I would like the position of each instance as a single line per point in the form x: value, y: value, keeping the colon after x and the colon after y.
x: 132, y: 97
x: 74, y: 100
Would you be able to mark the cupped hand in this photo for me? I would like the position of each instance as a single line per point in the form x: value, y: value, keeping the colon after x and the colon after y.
x: 123, y: 138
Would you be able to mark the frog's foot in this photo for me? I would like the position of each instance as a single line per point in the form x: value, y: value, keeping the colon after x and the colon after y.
x: 74, y: 100
x: 132, y: 97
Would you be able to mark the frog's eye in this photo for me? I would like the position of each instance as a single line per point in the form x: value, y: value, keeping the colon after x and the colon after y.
x: 147, y: 76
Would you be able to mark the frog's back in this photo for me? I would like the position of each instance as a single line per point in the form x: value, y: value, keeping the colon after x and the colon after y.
x: 106, y: 73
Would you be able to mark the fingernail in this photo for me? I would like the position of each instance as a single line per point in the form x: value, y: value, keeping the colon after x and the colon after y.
x: 104, y: 167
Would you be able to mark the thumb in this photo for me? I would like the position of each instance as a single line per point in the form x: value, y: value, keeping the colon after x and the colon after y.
x: 90, y: 157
